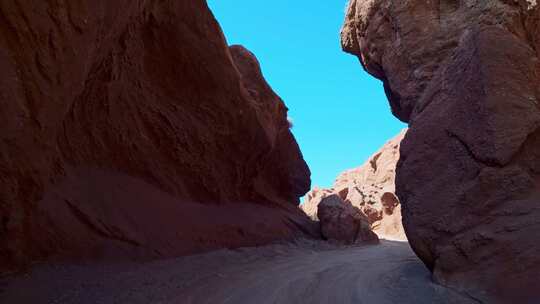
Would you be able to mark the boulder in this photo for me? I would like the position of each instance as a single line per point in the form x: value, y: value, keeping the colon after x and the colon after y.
x: 342, y: 222
x: 312, y: 201
x: 465, y: 75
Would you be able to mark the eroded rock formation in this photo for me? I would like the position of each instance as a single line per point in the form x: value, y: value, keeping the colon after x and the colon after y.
x: 465, y: 76
x: 371, y: 189
x: 129, y: 128
x: 342, y: 222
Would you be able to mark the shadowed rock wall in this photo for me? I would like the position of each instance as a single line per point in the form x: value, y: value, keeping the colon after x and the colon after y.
x: 465, y: 75
x: 131, y: 129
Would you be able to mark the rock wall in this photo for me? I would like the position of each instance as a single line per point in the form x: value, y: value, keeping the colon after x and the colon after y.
x: 131, y: 129
x: 371, y: 189
x: 465, y: 75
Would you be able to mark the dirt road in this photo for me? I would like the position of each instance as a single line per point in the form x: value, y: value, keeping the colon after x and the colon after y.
x: 305, y: 272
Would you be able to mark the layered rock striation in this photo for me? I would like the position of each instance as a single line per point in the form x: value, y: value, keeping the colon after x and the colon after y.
x: 465, y: 75
x: 131, y: 129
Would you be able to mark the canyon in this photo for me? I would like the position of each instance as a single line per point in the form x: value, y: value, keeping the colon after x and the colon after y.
x: 144, y: 160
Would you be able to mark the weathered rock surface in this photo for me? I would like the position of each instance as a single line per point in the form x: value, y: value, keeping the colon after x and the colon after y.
x: 342, y: 222
x: 129, y: 128
x: 465, y: 75
x: 370, y: 188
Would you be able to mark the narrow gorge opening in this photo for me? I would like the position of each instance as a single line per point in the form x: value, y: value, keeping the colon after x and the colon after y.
x: 145, y: 158
x: 341, y: 116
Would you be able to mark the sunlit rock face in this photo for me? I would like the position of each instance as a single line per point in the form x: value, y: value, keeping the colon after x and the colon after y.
x: 130, y: 129
x: 465, y: 76
x: 371, y: 189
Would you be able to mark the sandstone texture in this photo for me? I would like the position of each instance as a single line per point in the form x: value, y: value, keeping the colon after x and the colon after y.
x: 342, y: 222
x: 465, y: 75
x: 131, y: 129
x: 370, y: 188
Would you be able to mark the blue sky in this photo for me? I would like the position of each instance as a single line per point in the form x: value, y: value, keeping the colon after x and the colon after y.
x: 340, y: 113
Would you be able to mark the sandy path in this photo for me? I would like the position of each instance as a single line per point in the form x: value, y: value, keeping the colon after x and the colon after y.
x: 307, y: 272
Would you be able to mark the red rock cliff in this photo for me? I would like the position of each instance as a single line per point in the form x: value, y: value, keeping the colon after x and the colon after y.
x: 131, y: 129
x: 466, y: 76
x: 371, y: 189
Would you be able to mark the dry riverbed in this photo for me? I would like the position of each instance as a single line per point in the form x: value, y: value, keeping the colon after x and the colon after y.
x: 303, y: 272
